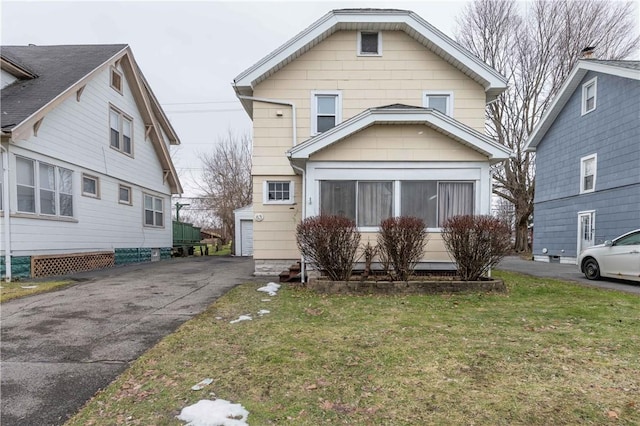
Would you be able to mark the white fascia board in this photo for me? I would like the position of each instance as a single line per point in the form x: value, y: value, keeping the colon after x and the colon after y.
x: 434, y: 119
x: 494, y: 83
x: 566, y: 91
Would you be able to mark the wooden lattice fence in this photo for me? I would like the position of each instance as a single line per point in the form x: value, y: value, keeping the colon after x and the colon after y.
x: 43, y: 266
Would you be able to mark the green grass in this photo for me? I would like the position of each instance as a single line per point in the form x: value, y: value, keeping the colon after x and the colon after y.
x: 222, y: 250
x: 546, y: 353
x: 16, y: 289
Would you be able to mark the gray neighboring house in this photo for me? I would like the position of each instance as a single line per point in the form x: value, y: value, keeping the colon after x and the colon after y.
x: 588, y: 161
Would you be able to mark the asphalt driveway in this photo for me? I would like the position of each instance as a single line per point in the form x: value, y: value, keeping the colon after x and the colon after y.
x: 58, y: 349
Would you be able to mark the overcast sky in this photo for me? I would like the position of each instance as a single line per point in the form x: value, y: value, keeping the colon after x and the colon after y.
x: 190, y: 51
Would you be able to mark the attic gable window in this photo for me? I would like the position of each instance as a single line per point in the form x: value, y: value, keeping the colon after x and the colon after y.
x: 369, y: 43
x: 116, y: 80
x: 589, y: 94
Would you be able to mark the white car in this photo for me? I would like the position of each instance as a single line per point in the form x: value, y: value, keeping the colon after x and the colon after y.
x: 619, y: 258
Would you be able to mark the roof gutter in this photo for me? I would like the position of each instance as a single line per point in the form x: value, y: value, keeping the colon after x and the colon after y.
x: 278, y: 102
x: 6, y: 212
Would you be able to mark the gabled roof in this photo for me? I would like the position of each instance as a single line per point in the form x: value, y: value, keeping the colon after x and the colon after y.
x: 50, y: 74
x: 371, y: 19
x: 625, y: 69
x: 401, y: 114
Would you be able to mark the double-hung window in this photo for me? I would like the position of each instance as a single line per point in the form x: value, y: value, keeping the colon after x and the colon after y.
x: 588, y: 167
x: 589, y: 95
x: 326, y: 111
x: 43, y: 188
x: 153, y: 211
x: 121, y: 131
x: 440, y: 101
x: 278, y: 192
x: 1, y: 183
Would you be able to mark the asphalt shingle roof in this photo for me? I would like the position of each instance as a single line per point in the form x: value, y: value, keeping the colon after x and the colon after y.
x: 634, y: 65
x: 57, y: 68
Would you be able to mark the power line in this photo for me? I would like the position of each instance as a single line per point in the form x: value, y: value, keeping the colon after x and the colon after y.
x: 200, y: 103
x: 191, y: 111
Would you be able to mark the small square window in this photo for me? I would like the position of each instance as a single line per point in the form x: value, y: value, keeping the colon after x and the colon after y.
x: 588, y: 169
x: 278, y: 192
x: 589, y: 95
x: 90, y: 186
x: 369, y: 43
x: 440, y: 101
x: 116, y: 80
x: 124, y: 194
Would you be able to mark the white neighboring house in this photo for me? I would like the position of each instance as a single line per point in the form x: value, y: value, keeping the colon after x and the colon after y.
x: 87, y: 176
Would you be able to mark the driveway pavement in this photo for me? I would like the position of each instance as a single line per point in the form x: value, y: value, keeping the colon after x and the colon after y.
x: 565, y: 272
x: 60, y: 348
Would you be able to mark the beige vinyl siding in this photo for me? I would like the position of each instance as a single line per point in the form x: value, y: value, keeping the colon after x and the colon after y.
x: 398, y: 143
x: 434, y: 251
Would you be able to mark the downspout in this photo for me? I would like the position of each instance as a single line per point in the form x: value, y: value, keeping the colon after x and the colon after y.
x: 294, y: 133
x: 6, y: 212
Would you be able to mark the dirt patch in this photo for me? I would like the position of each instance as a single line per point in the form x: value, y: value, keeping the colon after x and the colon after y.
x: 406, y: 287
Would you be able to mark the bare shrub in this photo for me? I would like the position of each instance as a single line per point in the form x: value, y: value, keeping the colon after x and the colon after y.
x: 369, y: 251
x: 477, y: 243
x: 329, y: 243
x: 401, y: 244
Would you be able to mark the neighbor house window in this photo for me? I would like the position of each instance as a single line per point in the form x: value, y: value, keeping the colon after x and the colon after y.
x: 588, y: 167
x: 90, y: 186
x: 440, y: 101
x: 153, y: 211
x: 369, y: 43
x: 326, y: 111
x: 369, y: 203
x: 589, y: 95
x: 121, y: 132
x: 124, y: 194
x: 43, y: 188
x: 116, y: 80
x: 278, y: 192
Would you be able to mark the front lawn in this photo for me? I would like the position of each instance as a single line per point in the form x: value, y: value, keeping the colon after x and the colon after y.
x: 548, y: 352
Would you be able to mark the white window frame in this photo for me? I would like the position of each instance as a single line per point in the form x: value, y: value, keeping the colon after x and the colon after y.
x: 359, y: 47
x: 96, y: 180
x: 583, y: 162
x: 447, y: 93
x: 128, y: 202
x: 37, y: 190
x: 314, y: 107
x: 122, y: 117
x: 116, y: 72
x: 593, y: 82
x: 265, y: 192
x: 153, y: 209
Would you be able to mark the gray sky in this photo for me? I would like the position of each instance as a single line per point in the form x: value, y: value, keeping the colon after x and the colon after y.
x: 191, y: 51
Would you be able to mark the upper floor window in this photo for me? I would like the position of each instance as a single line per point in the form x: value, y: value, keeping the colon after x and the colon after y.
x: 369, y: 43
x: 115, y: 81
x: 121, y: 136
x: 153, y: 211
x: 588, y: 167
x: 43, y: 188
x: 326, y: 111
x: 589, y: 95
x: 90, y: 186
x: 440, y: 101
x: 278, y: 192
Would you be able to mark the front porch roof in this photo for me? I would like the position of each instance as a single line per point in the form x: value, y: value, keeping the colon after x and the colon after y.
x: 399, y: 114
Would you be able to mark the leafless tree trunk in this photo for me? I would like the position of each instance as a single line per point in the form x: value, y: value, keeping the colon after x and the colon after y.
x: 226, y: 180
x: 536, y: 45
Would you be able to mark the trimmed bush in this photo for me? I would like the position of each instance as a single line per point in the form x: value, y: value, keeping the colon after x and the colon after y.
x: 401, y: 244
x: 477, y: 243
x: 329, y: 243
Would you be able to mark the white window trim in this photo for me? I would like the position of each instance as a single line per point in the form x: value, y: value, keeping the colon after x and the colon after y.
x: 314, y: 107
x: 582, y: 172
x: 585, y: 86
x: 94, y: 178
x: 265, y: 192
x: 144, y: 209
x: 114, y: 70
x: 448, y: 93
x: 122, y: 116
x: 359, y: 46
x: 130, y: 201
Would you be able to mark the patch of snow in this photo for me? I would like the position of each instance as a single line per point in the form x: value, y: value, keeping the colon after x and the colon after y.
x: 241, y: 318
x: 202, y: 384
x: 29, y: 286
x: 214, y: 413
x: 262, y: 312
x: 262, y: 300
x: 271, y: 289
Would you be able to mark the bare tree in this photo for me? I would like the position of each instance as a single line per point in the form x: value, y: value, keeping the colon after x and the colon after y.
x: 226, y: 180
x: 536, y: 45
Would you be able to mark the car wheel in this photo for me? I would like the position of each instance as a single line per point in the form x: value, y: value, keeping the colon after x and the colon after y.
x: 591, y: 269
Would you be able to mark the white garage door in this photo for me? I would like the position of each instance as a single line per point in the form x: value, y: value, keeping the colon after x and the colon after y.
x: 246, y: 232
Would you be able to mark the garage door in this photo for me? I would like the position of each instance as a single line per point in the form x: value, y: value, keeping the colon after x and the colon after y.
x: 246, y: 231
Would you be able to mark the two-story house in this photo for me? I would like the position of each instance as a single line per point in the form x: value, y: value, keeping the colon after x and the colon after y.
x: 587, y: 149
x: 367, y: 113
x: 86, y: 176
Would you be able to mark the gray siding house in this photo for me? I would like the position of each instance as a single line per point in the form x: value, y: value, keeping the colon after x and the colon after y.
x: 588, y: 161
